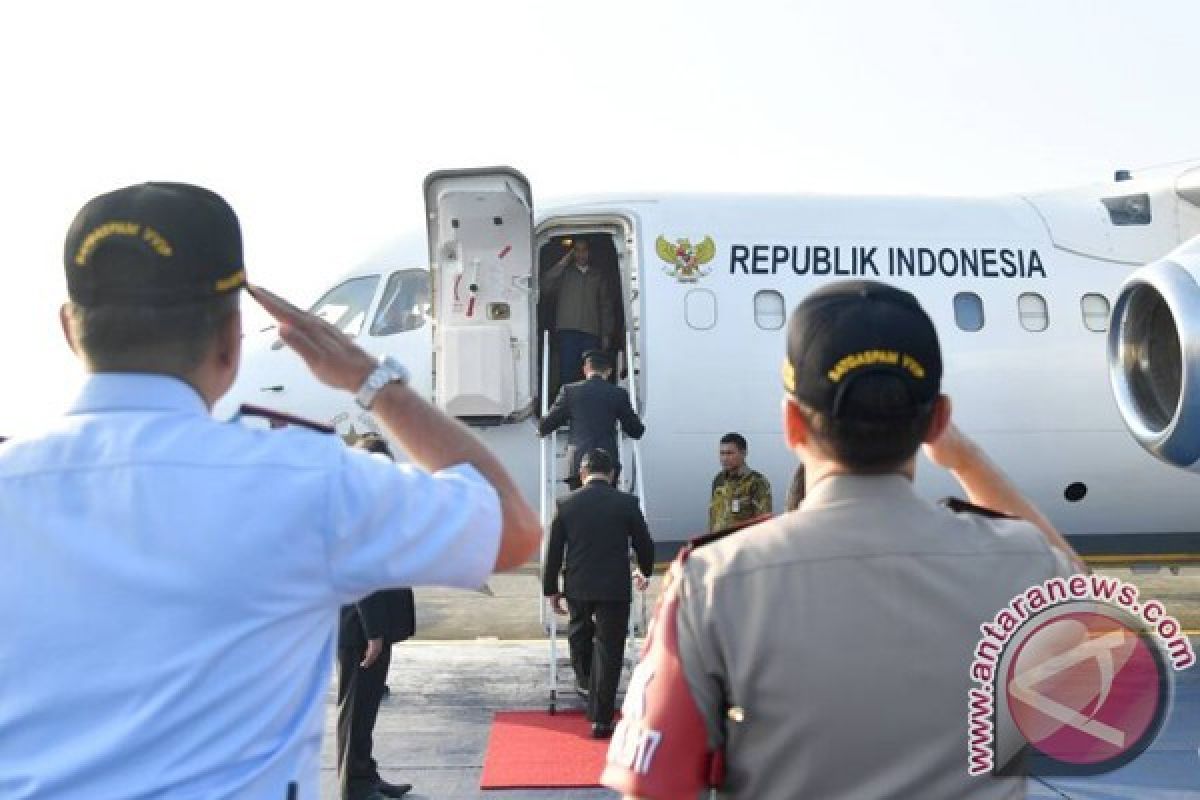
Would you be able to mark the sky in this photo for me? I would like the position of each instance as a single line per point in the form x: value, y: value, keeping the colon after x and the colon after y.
x: 318, y: 122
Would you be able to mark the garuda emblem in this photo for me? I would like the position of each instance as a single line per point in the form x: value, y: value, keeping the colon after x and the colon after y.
x: 686, y: 262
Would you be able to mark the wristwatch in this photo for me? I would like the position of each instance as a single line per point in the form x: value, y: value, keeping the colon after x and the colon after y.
x: 389, y: 371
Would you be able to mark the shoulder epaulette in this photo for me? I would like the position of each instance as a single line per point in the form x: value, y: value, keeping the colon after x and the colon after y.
x: 715, y: 536
x: 279, y: 419
x: 963, y: 507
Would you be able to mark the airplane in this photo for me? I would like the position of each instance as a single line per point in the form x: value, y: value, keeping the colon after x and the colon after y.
x: 1021, y: 288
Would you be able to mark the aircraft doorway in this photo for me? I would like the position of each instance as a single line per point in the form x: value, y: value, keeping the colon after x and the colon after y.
x: 611, y: 311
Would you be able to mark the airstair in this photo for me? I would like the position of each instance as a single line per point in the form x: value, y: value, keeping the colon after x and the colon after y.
x: 552, y: 485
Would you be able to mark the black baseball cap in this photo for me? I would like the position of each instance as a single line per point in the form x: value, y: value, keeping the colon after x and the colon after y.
x: 598, y: 359
x: 154, y: 244
x: 850, y: 329
x: 598, y: 460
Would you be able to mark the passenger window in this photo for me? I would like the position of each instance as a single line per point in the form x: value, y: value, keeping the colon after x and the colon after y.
x: 968, y: 311
x: 345, y: 306
x: 405, y: 304
x: 1032, y: 310
x: 1095, y: 312
x: 700, y: 309
x: 769, y: 312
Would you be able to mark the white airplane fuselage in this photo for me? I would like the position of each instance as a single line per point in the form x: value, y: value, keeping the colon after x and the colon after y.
x: 1018, y: 287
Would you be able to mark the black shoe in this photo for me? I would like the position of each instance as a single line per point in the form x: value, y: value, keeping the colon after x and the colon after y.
x: 581, y: 689
x: 386, y: 690
x: 602, y: 730
x: 393, y: 789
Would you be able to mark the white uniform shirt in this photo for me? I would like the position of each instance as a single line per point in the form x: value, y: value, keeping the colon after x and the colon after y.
x: 170, y: 587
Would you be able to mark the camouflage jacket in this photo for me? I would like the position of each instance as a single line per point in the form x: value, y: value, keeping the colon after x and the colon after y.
x: 738, y: 498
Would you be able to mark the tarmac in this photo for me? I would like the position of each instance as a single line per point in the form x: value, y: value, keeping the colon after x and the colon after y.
x: 481, y: 652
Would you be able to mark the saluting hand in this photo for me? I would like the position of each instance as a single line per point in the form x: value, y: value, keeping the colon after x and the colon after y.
x: 951, y: 450
x: 331, y: 355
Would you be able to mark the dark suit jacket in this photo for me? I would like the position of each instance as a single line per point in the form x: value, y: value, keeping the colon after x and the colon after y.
x: 594, y: 526
x: 389, y: 614
x: 593, y: 407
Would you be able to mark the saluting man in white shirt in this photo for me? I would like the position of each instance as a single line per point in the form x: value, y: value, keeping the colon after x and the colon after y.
x: 172, y: 583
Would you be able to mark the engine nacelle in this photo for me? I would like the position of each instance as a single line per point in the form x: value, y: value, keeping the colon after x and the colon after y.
x: 1154, y: 356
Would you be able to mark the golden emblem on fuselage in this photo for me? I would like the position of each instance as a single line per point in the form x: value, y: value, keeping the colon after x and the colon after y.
x: 685, y: 262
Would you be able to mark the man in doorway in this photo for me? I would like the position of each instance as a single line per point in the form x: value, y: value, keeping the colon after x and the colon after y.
x: 739, y: 493
x: 593, y: 406
x: 594, y: 527
x: 584, y: 318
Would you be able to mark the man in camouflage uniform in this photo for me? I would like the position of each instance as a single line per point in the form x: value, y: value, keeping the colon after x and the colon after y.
x: 739, y: 493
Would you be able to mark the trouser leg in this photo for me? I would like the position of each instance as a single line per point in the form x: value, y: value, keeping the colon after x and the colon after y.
x: 360, y: 692
x: 611, y: 623
x: 349, y: 654
x: 580, y: 632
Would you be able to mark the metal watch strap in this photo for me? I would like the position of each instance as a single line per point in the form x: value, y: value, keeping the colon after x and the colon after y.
x: 389, y: 371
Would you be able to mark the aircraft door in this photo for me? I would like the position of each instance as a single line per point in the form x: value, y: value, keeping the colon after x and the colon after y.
x: 480, y: 227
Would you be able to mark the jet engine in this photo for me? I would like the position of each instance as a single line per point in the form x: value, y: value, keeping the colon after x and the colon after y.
x: 1154, y: 356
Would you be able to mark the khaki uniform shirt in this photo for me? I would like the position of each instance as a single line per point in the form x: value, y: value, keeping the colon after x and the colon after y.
x: 845, y: 632
x: 738, y: 498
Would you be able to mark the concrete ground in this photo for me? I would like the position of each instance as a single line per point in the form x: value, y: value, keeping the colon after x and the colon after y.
x: 480, y: 652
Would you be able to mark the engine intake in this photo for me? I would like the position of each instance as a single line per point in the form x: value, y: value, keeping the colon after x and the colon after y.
x: 1154, y: 356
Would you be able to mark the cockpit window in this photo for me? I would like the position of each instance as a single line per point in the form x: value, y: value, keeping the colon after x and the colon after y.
x: 1132, y: 209
x: 405, y: 305
x: 345, y: 306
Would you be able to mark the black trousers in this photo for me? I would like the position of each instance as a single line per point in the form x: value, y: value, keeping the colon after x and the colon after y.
x: 596, y: 635
x: 359, y: 694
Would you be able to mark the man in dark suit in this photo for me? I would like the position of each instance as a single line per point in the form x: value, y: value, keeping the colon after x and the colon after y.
x: 366, y: 632
x: 595, y: 525
x: 594, y: 407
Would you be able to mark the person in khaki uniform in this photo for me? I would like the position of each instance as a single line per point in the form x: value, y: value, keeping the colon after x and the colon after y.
x: 826, y: 653
x: 739, y: 494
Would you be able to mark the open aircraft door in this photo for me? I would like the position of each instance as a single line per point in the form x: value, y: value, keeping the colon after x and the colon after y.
x: 480, y: 225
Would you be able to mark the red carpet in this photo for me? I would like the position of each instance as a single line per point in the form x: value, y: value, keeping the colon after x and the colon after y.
x: 534, y: 750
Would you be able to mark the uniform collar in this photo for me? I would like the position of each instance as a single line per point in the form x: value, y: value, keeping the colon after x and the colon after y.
x: 125, y: 391
x: 838, y: 489
x: 740, y: 472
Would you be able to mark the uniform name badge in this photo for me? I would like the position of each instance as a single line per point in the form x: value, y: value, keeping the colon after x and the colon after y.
x: 736, y: 505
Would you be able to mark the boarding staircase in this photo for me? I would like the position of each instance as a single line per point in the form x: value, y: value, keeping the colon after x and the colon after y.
x: 552, y: 485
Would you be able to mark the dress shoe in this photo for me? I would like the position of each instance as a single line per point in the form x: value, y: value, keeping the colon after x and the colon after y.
x: 392, y: 789
x: 602, y: 730
x: 581, y: 689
